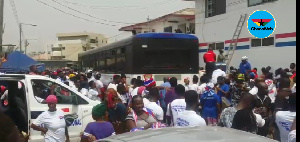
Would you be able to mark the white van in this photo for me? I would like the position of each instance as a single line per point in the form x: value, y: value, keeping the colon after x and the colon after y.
x: 24, y: 104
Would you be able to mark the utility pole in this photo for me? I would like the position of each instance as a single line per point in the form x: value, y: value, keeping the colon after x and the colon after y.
x: 1, y: 23
x: 20, y: 30
x: 148, y: 19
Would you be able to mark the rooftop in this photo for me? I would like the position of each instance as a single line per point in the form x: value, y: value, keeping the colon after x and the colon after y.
x: 76, y: 34
x: 185, y: 14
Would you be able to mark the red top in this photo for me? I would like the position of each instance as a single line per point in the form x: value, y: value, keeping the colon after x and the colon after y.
x: 209, y: 56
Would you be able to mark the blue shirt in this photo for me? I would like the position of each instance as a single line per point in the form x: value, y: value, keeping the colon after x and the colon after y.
x: 245, y: 67
x: 166, y: 84
x: 225, y: 88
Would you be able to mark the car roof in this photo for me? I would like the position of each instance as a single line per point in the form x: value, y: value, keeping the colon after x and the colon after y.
x: 189, y: 134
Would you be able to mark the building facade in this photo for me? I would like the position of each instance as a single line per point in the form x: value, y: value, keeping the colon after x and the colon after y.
x: 68, y: 45
x: 216, y: 22
x: 183, y: 20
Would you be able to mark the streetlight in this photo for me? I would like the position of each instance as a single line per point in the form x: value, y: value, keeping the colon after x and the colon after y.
x: 20, y: 27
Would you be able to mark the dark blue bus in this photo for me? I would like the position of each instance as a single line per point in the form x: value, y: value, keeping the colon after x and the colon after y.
x: 149, y: 53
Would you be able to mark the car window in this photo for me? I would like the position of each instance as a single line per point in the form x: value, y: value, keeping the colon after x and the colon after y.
x: 43, y: 88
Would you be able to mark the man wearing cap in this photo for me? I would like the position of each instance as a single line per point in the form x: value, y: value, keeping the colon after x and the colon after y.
x: 210, y: 59
x: 245, y: 66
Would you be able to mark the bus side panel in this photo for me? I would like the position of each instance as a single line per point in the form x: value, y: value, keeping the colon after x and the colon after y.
x: 129, y: 58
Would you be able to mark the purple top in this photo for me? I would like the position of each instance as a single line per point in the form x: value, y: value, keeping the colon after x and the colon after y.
x: 170, y: 96
x: 100, y: 130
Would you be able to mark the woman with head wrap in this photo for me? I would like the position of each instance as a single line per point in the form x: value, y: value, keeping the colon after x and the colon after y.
x: 116, y: 109
x: 52, y: 123
x: 210, y: 102
x: 99, y: 129
x: 141, y: 118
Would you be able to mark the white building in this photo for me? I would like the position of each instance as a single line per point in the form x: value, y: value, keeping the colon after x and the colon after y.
x: 68, y: 45
x: 183, y: 20
x: 216, y: 21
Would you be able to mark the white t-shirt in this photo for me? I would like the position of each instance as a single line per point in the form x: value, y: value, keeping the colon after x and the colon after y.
x: 216, y: 74
x: 99, y: 84
x: 189, y: 118
x: 194, y: 87
x: 91, y: 79
x: 84, y: 91
x: 55, y: 123
x: 134, y: 92
x: 201, y: 88
x: 292, y: 136
x: 284, y: 120
x: 178, y: 105
x: 294, y: 88
x: 254, y: 90
x: 156, y: 109
x: 93, y: 95
x: 186, y: 87
x: 146, y: 101
x: 259, y: 121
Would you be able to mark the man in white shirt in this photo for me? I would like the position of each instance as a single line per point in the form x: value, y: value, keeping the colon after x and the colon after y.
x: 186, y: 83
x: 176, y: 106
x: 203, y: 80
x: 218, y: 72
x: 284, y: 119
x: 195, y: 85
x: 152, y: 105
x: 90, y: 76
x: 99, y: 84
x: 189, y: 117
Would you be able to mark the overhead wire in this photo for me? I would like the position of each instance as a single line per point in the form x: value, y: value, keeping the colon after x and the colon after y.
x: 89, y: 14
x: 88, y: 20
x: 121, y: 7
x: 15, y: 12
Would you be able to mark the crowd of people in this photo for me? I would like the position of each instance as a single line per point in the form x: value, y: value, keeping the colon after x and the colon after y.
x: 261, y: 104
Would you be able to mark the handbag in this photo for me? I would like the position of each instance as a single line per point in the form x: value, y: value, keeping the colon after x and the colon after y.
x: 70, y: 118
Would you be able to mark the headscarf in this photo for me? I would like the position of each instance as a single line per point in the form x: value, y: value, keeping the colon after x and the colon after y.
x: 209, y: 89
x: 71, y: 75
x: 149, y: 83
x: 51, y: 99
x: 241, y: 77
x: 99, y: 110
x: 141, y: 89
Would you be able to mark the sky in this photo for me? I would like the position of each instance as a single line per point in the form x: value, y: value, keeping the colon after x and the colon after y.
x: 107, y: 17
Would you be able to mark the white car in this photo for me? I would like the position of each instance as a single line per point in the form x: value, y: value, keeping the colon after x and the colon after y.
x: 34, y: 89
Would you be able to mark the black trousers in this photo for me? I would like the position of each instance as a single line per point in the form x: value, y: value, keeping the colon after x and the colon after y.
x: 209, y: 68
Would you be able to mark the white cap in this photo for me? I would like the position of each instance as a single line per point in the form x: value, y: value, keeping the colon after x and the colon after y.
x: 245, y: 58
x: 113, y: 86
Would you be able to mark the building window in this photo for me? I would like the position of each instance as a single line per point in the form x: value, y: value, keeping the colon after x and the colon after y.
x: 168, y: 29
x: 215, y: 7
x: 268, y: 41
x: 212, y: 45
x: 258, y: 2
x: 262, y: 42
x: 93, y: 41
x: 58, y: 48
x: 219, y: 45
x: 255, y: 42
